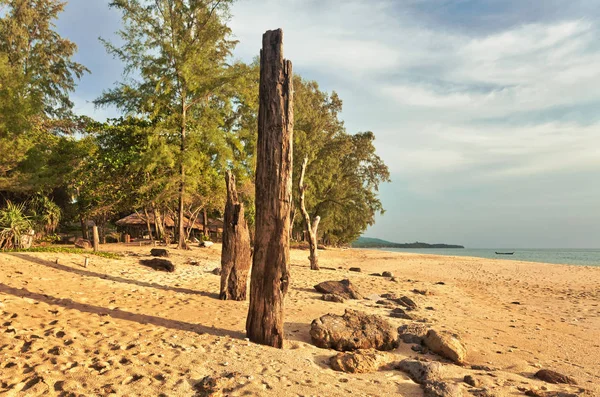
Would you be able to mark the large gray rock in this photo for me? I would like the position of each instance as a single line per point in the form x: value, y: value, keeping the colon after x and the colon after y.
x: 343, y: 288
x: 442, y: 389
x: 360, y: 361
x: 159, y: 264
x: 159, y: 252
x: 83, y: 243
x: 445, y: 345
x: 353, y: 330
x: 412, y: 333
x: 422, y: 371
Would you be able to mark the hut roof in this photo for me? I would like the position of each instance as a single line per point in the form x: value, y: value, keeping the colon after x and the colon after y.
x: 138, y: 219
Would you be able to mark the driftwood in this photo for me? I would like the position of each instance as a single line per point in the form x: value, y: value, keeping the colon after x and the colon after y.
x: 311, y: 228
x: 270, y: 268
x: 235, y: 254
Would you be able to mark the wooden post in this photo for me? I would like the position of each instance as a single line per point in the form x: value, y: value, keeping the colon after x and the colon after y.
x: 270, y: 267
x: 86, y: 261
x: 310, y: 228
x: 96, y: 241
x: 235, y: 254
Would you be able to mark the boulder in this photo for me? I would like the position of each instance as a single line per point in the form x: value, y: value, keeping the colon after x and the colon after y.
x: 333, y: 298
x: 353, y: 330
x: 360, y: 361
x: 445, y: 345
x: 83, y: 243
x: 422, y: 371
x: 471, y: 381
x: 442, y: 389
x: 412, y: 333
x: 355, y: 269
x: 406, y: 302
x: 343, y: 288
x: 206, y: 244
x: 159, y: 252
x: 387, y: 274
x: 216, y: 271
x: 159, y: 264
x: 554, y: 377
x: 400, y: 313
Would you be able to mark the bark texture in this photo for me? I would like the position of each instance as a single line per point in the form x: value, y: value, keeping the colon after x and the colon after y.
x: 311, y: 228
x: 270, y: 269
x: 236, y: 254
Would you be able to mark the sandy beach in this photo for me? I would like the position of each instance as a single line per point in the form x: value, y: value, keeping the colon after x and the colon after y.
x: 119, y: 328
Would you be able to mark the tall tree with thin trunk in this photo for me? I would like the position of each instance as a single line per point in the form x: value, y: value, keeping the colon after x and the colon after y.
x: 270, y: 267
x: 311, y: 228
x: 179, y: 49
x: 236, y: 254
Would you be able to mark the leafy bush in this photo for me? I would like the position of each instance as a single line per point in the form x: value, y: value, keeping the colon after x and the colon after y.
x: 13, y: 225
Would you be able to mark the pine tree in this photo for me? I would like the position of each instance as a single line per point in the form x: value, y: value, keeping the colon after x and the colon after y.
x: 176, y: 53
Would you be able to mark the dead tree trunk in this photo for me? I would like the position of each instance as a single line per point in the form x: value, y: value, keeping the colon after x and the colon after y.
x: 235, y: 254
x: 311, y: 229
x: 270, y: 267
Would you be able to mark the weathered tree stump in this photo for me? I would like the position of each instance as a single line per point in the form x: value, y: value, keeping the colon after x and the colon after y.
x: 270, y: 269
x: 311, y: 228
x: 235, y: 254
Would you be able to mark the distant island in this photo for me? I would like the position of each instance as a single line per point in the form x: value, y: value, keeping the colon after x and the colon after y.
x: 369, y: 242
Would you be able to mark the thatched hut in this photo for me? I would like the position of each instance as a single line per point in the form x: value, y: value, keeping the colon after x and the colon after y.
x: 136, y: 225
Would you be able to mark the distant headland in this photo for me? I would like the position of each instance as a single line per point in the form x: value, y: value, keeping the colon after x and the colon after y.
x: 369, y: 242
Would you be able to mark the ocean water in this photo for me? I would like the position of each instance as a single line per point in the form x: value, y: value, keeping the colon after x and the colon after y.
x: 582, y: 257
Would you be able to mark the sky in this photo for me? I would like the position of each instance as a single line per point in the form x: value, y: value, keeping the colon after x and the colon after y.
x: 487, y: 112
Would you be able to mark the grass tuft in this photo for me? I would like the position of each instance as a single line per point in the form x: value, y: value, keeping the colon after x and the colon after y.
x: 68, y: 250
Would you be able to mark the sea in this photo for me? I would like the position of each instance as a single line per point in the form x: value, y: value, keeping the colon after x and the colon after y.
x: 581, y: 257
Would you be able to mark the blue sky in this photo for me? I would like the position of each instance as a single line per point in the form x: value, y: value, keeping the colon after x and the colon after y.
x: 487, y: 112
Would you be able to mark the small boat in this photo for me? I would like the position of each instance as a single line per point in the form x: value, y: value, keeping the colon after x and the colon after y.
x: 504, y: 253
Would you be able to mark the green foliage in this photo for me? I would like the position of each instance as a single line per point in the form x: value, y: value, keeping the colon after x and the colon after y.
x: 14, y: 223
x: 37, y: 74
x: 179, y: 50
x: 343, y: 172
x: 45, y: 214
x: 41, y: 57
x: 68, y: 250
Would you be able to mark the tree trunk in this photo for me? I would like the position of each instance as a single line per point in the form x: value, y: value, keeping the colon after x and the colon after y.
x: 84, y: 229
x: 270, y: 269
x: 181, y: 219
x: 96, y: 240
x: 205, y: 230
x: 235, y: 254
x: 310, y: 229
x: 148, y: 225
x: 158, y: 226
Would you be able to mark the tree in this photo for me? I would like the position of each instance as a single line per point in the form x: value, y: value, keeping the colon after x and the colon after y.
x: 37, y: 74
x: 311, y: 227
x: 342, y: 173
x: 179, y: 49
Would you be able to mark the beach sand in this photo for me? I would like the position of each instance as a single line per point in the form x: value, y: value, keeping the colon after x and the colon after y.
x: 119, y: 328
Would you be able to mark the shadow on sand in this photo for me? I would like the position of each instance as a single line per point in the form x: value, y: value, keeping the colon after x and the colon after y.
x: 118, y: 314
x: 88, y: 273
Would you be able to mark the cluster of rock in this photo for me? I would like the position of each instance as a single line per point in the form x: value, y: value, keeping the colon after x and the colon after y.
x: 364, y: 342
